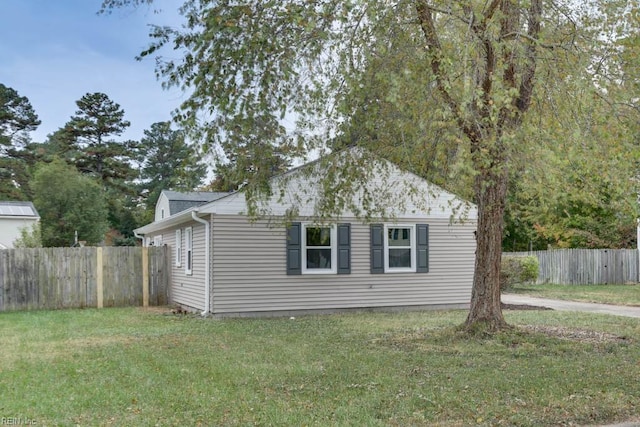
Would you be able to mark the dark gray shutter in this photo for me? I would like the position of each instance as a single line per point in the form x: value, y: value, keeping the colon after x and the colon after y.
x: 377, y: 248
x: 294, y: 249
x: 422, y: 248
x: 344, y: 248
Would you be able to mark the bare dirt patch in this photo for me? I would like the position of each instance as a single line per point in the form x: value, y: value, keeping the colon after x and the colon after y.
x: 523, y: 307
x: 581, y: 335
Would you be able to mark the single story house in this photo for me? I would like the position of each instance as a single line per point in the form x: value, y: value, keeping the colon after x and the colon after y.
x: 226, y: 264
x: 13, y: 217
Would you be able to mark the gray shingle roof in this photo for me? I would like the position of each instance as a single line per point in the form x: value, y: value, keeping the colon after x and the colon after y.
x: 179, y: 202
x: 18, y: 209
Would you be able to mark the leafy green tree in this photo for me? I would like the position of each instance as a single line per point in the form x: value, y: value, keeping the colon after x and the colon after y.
x: 480, y: 60
x: 168, y: 162
x: 68, y: 202
x: 17, y: 119
x: 574, y: 184
x: 244, y: 162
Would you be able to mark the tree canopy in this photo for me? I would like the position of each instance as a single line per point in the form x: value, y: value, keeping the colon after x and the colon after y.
x: 16, y: 115
x: 17, y: 119
x: 68, y: 202
x: 168, y: 163
x: 91, y: 130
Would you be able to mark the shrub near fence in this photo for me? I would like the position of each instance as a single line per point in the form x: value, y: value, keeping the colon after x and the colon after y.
x: 53, y: 278
x: 586, y: 266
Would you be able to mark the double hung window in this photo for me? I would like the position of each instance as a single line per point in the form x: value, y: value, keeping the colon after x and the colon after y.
x: 318, y: 249
x: 400, y: 248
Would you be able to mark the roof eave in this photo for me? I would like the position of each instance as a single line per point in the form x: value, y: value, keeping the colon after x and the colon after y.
x: 179, y: 218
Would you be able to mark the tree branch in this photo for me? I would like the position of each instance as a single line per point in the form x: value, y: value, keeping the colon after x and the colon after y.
x: 488, y: 13
x: 434, y: 50
x: 528, y: 74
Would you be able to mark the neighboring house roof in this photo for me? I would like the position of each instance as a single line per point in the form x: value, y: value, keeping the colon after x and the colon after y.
x: 18, y: 209
x: 179, y: 202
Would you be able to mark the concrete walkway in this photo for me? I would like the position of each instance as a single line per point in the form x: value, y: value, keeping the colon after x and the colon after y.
x: 617, y: 310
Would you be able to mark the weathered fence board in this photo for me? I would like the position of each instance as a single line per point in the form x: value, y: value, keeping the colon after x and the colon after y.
x: 159, y: 278
x: 53, y: 278
x: 586, y: 266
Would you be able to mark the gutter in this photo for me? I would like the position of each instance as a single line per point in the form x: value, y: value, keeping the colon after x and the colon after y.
x: 139, y: 236
x: 207, y: 277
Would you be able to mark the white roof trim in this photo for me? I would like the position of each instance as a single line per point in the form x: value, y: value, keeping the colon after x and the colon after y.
x: 179, y: 218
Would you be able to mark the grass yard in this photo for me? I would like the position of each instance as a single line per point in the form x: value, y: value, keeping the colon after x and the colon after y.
x: 605, y: 294
x: 144, y: 367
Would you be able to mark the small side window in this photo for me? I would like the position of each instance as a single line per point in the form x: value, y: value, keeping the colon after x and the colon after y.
x: 188, y: 240
x: 179, y: 247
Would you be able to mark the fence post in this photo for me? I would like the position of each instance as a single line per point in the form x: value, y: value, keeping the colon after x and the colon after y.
x: 99, y: 279
x: 145, y: 276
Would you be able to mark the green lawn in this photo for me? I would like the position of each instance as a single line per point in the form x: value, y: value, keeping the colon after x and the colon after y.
x: 143, y: 367
x: 605, y: 294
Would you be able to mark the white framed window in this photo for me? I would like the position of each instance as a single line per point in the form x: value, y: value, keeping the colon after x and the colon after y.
x: 319, y: 249
x: 178, y: 247
x: 188, y: 242
x: 161, y: 213
x: 157, y: 240
x: 399, y: 248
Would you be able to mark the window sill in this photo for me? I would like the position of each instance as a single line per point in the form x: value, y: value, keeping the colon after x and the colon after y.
x: 318, y: 272
x: 399, y: 270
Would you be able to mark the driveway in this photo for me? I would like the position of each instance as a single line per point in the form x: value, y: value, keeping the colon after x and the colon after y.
x: 616, y: 310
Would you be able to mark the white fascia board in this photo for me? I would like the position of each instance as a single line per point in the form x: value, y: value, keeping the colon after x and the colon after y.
x: 179, y: 218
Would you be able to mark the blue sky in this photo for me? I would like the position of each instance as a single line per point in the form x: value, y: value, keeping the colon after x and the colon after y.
x: 55, y: 51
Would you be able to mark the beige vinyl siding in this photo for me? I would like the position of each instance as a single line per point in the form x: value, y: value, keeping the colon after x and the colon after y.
x: 187, y: 290
x: 249, y: 271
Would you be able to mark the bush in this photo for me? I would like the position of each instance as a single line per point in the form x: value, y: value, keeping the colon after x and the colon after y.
x: 518, y: 269
x: 29, y: 238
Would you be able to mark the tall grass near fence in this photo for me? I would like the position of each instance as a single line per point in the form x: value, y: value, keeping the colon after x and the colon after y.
x: 586, y: 266
x: 54, y: 278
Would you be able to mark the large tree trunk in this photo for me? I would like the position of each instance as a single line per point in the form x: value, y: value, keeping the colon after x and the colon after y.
x: 486, y: 311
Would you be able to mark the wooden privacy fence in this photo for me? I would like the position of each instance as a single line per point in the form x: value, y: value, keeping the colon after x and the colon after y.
x: 586, y: 266
x: 52, y: 278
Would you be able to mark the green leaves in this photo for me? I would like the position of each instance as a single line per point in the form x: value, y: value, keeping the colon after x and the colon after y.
x: 16, y: 115
x: 77, y: 204
x: 168, y: 163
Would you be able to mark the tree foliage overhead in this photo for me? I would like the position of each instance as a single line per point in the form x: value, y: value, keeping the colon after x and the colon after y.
x: 479, y: 76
